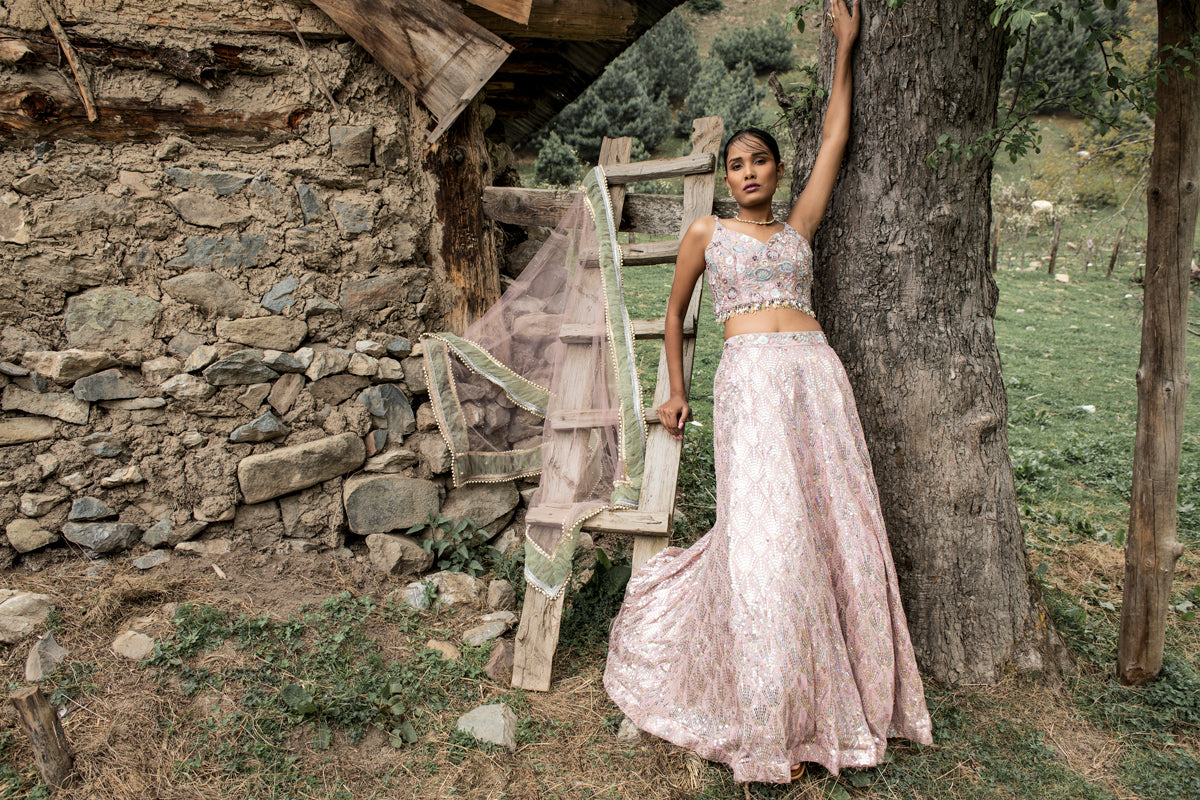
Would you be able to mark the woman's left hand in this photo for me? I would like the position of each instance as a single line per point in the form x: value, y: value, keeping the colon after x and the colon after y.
x: 845, y: 21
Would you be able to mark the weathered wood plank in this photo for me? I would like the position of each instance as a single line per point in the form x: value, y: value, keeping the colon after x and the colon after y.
x: 635, y: 521
x: 658, y: 168
x: 533, y: 663
x: 642, y: 253
x: 438, y: 52
x: 641, y: 328
x: 204, y: 16
x: 653, y: 214
x: 35, y: 114
x: 516, y: 10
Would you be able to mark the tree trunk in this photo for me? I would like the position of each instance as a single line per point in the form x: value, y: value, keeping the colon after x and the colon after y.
x: 904, y: 293
x: 1152, y: 547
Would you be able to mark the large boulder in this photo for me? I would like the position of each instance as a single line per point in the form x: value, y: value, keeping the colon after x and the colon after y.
x: 385, y: 503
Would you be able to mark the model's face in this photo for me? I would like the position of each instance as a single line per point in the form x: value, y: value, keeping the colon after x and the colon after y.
x: 751, y: 172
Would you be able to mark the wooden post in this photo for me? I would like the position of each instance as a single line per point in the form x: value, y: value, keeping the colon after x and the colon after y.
x: 995, y: 246
x: 1172, y: 200
x: 45, y: 732
x: 1054, y: 246
x: 1112, y: 262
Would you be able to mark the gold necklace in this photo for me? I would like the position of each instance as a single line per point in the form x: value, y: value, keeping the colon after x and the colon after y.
x: 770, y: 221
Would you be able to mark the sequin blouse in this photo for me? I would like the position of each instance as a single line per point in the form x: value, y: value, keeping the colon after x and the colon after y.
x: 747, y: 275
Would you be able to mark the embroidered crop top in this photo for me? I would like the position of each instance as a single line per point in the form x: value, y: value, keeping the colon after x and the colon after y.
x: 747, y: 275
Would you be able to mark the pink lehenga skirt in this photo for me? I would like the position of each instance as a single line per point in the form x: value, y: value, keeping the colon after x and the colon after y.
x: 777, y: 638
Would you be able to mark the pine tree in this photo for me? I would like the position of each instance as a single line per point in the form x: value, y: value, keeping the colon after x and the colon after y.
x: 732, y: 95
x: 557, y: 164
x: 766, y: 47
x: 615, y: 105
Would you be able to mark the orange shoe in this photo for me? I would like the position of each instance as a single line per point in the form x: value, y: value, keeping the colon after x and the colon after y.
x: 798, y: 771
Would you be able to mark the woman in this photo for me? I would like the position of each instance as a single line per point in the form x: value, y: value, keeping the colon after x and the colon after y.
x: 778, y: 638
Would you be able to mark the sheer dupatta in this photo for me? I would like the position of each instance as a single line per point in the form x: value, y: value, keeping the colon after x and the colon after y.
x: 545, y: 382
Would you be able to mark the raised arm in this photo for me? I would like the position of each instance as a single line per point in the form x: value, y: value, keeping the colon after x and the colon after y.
x: 810, y: 207
x: 689, y: 266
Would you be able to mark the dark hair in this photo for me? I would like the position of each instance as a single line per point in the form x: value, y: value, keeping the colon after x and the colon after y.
x: 751, y: 133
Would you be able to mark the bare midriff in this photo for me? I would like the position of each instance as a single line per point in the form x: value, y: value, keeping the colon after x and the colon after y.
x: 770, y: 320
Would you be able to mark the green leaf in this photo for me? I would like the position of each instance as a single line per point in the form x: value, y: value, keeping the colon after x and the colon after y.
x: 322, y: 737
x: 408, y: 733
x: 860, y: 780
x: 297, y: 699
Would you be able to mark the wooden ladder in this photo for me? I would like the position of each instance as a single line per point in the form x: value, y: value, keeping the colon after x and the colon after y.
x: 650, y: 523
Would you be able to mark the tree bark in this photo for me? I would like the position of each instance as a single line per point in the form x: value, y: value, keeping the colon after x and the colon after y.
x: 904, y: 293
x: 469, y: 252
x: 1152, y: 547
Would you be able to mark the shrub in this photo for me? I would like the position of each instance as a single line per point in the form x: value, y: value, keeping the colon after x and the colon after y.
x: 557, y: 164
x: 706, y: 7
x: 666, y: 58
x: 615, y: 105
x: 732, y: 95
x: 766, y: 47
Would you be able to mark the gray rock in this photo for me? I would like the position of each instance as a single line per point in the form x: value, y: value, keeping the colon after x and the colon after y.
x: 418, y: 595
x: 456, y: 589
x: 39, y: 504
x: 208, y: 547
x: 89, y: 509
x: 35, y: 181
x: 375, y: 441
x: 337, y: 389
x: 627, y: 732
x: 396, y: 553
x: 151, y: 559
x: 219, y: 183
x: 133, y: 645
x: 316, y: 306
x: 44, y: 658
x: 501, y: 596
x: 213, y: 294
x: 390, y: 371
x: 426, y: 419
x: 372, y: 294
x: 435, y: 453
x: 67, y: 366
x: 351, y: 144
x: 311, y: 206
x: 486, y: 632
x: 253, y: 397
x: 200, y: 357
x: 200, y: 209
x: 266, y: 333
x: 157, y: 370
x: 445, y: 649
x: 285, y: 391
x: 305, y: 356
x: 488, y: 505
x: 390, y: 409
x: 105, y: 445
x: 192, y: 439
x: 385, y: 503
x: 282, y: 362
x: 279, y: 296
x: 328, y: 362
x: 102, y: 537
x: 500, y: 665
x: 21, y: 613
x: 47, y: 463
x: 188, y: 387
x: 135, y: 404
x: 60, y: 406
x: 391, y: 461
x: 111, y: 384
x: 239, y: 369
x: 494, y: 724
x: 18, y: 430
x: 288, y: 469
x: 228, y: 252
x: 414, y: 374
x: 370, y: 348
x: 88, y: 213
x: 111, y: 319
x: 76, y: 481
x: 399, y: 347
x: 263, y: 429
x: 183, y: 343
x: 12, y: 370
x: 165, y: 533
x: 26, y: 535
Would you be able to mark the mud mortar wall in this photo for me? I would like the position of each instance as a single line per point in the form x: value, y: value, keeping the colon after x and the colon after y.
x: 211, y: 299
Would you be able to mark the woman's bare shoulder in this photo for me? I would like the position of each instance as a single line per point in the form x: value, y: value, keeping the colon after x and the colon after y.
x: 701, y: 231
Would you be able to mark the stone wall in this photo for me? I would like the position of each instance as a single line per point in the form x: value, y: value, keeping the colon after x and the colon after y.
x: 210, y: 302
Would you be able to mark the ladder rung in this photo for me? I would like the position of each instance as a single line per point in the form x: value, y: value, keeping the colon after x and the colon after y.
x: 633, y: 255
x: 655, y: 169
x: 594, y: 418
x: 655, y: 523
x: 642, y: 329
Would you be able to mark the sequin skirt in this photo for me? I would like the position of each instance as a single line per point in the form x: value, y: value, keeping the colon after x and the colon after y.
x: 777, y: 638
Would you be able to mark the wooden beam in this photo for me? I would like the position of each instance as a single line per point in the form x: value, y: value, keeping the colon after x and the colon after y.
x: 626, y: 521
x: 658, y: 168
x: 444, y: 57
x: 642, y: 253
x: 82, y: 80
x: 565, y: 20
x: 654, y: 214
x: 35, y: 114
x: 516, y: 10
x: 642, y: 329
x: 50, y: 748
